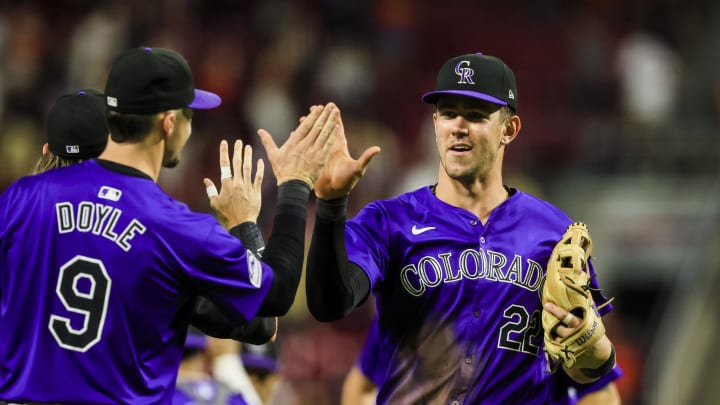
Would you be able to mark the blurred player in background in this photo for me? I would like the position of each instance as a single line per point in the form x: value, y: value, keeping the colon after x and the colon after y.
x: 261, y: 364
x: 456, y: 267
x: 106, y: 296
x: 195, y: 382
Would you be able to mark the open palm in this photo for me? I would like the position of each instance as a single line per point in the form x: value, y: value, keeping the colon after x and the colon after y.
x: 341, y: 172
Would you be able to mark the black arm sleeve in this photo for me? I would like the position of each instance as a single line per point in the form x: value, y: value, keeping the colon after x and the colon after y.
x: 210, y: 320
x: 250, y: 236
x: 285, y: 251
x: 334, y: 286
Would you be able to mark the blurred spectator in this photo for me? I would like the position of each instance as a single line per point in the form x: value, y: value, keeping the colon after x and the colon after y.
x: 261, y: 364
x: 195, y: 381
x: 649, y: 71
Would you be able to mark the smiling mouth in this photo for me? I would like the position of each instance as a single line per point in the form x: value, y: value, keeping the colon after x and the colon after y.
x: 460, y: 148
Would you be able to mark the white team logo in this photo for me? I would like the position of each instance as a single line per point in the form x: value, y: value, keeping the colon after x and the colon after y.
x: 465, y: 72
x: 417, y: 231
x: 254, y: 269
x: 109, y: 193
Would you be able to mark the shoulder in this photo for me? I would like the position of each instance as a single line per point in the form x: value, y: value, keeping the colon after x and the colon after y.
x: 418, y: 197
x: 536, y: 207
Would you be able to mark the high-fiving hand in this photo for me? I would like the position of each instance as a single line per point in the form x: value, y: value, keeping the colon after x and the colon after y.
x: 305, y: 152
x: 240, y: 197
x: 342, y: 172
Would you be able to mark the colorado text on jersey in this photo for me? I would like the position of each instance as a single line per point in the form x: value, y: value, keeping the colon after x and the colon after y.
x: 470, y: 264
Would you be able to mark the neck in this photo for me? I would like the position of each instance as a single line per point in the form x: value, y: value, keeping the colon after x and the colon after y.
x: 145, y: 156
x: 479, y: 197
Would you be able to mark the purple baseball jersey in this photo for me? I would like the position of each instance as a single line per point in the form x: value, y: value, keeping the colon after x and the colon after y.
x: 98, y: 267
x: 458, y: 301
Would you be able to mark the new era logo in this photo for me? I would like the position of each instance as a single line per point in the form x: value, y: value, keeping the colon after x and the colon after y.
x: 72, y: 149
x: 111, y: 101
x: 511, y: 95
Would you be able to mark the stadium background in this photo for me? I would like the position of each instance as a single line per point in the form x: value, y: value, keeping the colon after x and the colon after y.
x: 619, y: 99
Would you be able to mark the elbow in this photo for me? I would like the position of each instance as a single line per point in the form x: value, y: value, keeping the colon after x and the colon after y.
x: 324, y: 311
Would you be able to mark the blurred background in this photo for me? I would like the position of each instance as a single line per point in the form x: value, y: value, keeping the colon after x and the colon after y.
x: 619, y: 100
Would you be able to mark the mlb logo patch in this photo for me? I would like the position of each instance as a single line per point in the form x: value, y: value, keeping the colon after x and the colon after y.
x: 109, y: 193
x: 72, y: 149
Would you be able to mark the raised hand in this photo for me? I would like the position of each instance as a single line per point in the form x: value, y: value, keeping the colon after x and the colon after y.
x: 342, y: 172
x: 240, y: 196
x: 305, y: 152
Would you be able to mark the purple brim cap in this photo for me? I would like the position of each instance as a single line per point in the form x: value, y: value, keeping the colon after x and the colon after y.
x: 431, y: 97
x: 195, y: 341
x: 204, y: 100
x: 259, y: 362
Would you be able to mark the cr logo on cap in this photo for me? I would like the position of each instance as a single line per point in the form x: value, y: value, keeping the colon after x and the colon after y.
x: 465, y: 73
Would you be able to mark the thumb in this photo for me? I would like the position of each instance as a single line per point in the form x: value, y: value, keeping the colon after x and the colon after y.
x: 210, y: 189
x: 267, y: 141
x: 367, y: 156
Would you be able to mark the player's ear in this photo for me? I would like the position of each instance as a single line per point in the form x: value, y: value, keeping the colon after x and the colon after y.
x: 511, y: 128
x: 45, y: 149
x: 168, y: 121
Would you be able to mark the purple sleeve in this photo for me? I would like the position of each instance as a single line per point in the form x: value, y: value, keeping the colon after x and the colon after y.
x: 229, y: 274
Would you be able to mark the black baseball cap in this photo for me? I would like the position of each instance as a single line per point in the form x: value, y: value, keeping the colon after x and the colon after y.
x: 147, y: 80
x: 476, y: 75
x: 260, y: 357
x: 195, y: 339
x: 76, y: 125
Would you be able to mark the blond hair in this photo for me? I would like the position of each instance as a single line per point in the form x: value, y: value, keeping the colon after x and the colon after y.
x: 50, y: 161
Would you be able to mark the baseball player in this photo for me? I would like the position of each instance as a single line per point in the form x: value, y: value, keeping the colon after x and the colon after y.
x: 98, y: 266
x: 456, y: 267
x: 195, y: 384
x: 77, y: 130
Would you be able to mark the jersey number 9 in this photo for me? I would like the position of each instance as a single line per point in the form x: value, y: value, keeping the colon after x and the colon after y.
x: 91, y: 303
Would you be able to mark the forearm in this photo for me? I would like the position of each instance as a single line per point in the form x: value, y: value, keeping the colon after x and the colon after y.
x: 607, y: 395
x: 250, y: 236
x: 286, y: 247
x: 334, y: 287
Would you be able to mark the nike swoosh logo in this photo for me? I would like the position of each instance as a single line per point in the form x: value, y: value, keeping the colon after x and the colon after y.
x: 418, y: 231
